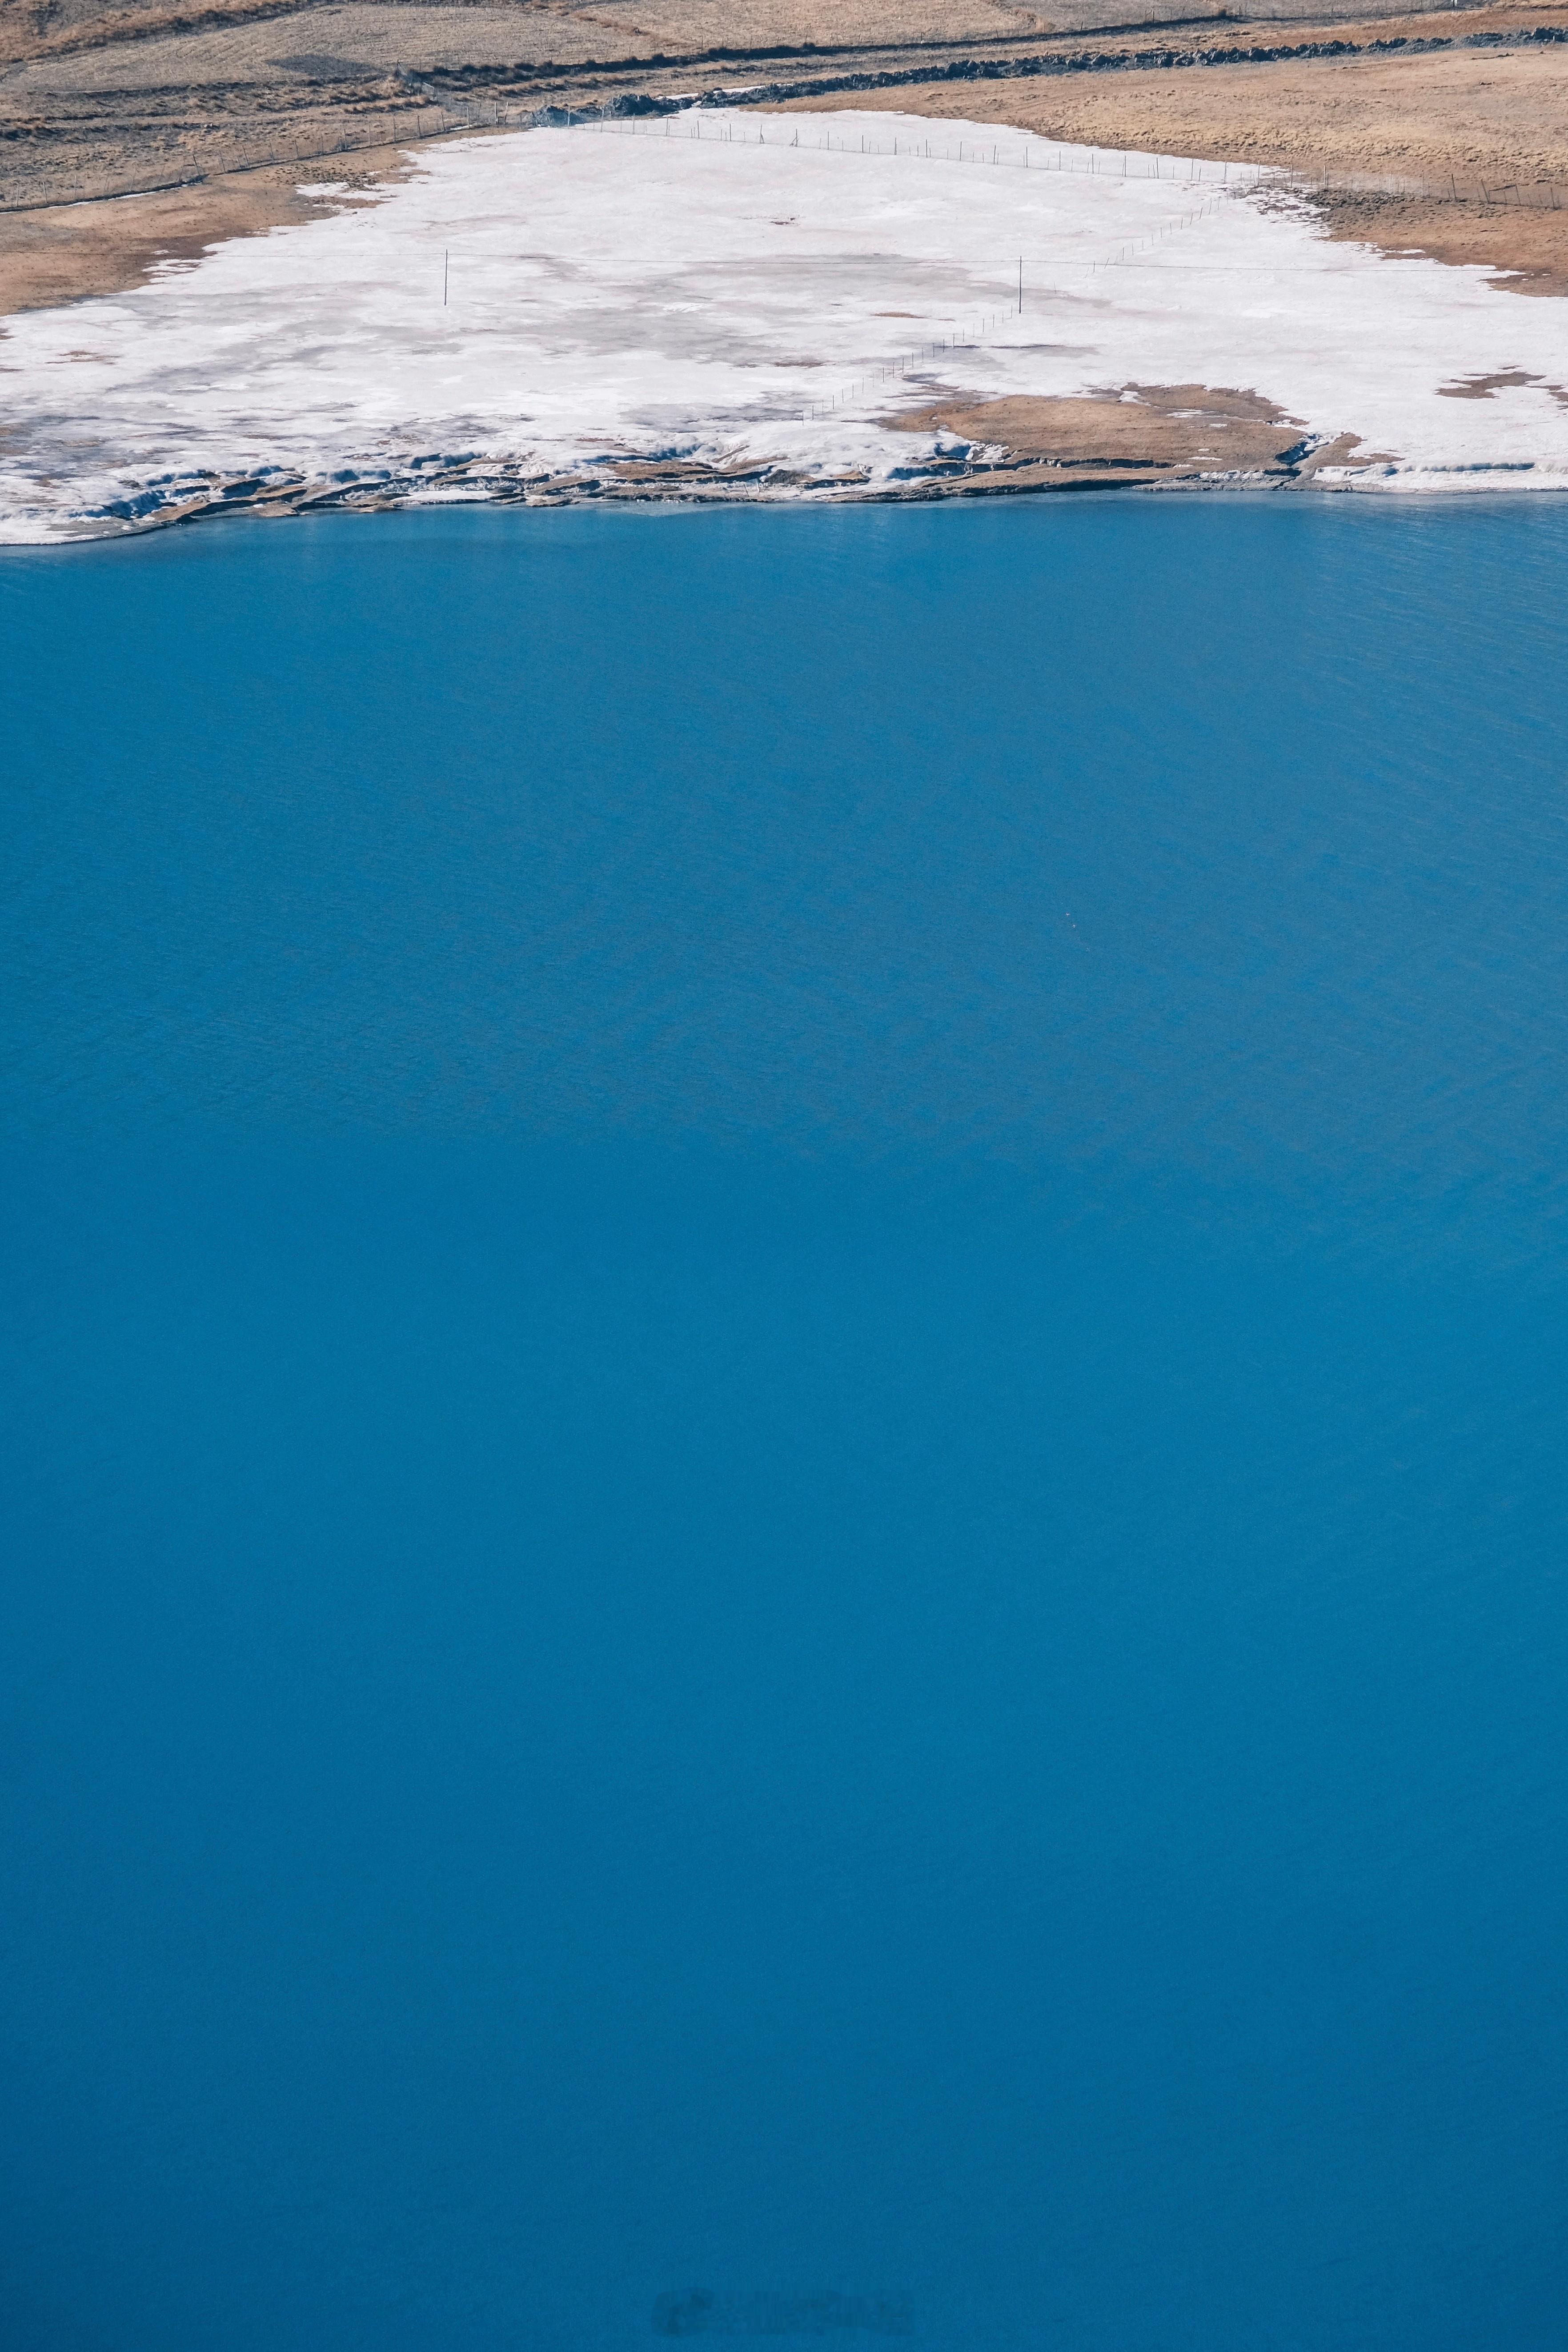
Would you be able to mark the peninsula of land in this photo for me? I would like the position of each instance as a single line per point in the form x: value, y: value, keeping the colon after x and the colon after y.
x: 403, y: 254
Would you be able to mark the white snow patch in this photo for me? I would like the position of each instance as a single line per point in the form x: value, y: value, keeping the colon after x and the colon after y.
x: 757, y: 292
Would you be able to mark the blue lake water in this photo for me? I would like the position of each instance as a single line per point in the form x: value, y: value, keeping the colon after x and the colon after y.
x: 785, y: 1371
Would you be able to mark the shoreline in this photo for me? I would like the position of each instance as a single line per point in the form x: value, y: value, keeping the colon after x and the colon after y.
x: 766, y: 309
x: 1004, y: 476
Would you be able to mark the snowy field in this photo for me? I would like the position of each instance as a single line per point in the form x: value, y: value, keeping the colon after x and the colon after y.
x: 759, y: 295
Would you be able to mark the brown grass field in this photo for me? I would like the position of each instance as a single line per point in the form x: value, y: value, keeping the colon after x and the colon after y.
x: 130, y: 133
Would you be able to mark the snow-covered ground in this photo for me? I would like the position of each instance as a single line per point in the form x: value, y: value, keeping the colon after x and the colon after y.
x: 750, y: 292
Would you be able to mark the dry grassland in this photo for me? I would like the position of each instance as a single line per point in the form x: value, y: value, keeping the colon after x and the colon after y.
x: 210, y: 112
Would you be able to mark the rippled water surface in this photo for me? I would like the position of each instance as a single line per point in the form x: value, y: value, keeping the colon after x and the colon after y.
x: 786, y: 1361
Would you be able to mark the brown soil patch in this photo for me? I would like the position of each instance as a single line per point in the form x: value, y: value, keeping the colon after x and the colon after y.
x: 69, y: 251
x: 1139, y: 430
x: 1486, y: 387
x: 1530, y: 244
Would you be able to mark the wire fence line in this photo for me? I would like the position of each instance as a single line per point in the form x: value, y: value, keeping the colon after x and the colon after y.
x: 1541, y: 194
x: 1037, y: 155
x: 1538, y: 195
x: 1112, y: 164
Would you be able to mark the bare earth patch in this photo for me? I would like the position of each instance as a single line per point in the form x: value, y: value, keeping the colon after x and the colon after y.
x: 1527, y: 246
x: 1486, y: 387
x: 1132, y: 434
x: 64, y: 252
